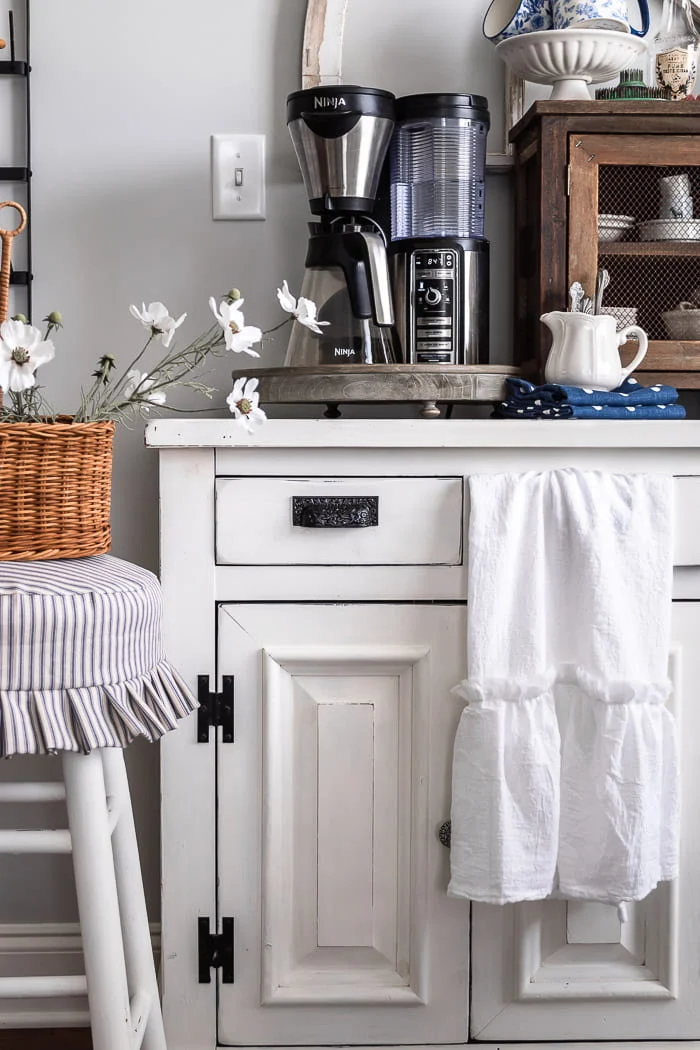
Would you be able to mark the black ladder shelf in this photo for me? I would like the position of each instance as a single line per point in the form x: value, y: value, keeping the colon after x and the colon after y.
x: 13, y: 67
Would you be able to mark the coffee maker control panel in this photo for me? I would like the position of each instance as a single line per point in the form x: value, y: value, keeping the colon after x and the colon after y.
x: 434, y: 318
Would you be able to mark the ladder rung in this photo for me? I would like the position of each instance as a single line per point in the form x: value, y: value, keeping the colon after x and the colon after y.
x: 40, y: 841
x: 42, y: 987
x: 49, y: 840
x: 32, y: 792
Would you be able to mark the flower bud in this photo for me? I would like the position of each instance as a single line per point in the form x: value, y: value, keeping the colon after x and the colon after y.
x: 234, y: 294
x: 20, y: 317
x: 54, y: 318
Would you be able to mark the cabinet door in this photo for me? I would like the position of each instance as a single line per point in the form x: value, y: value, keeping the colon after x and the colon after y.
x: 329, y: 804
x: 631, y: 213
x: 558, y: 970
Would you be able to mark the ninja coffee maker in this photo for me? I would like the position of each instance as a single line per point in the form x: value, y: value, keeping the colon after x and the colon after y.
x: 341, y: 135
x: 439, y: 256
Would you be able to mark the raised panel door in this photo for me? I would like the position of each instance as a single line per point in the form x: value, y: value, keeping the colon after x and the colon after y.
x: 329, y: 802
x: 564, y: 970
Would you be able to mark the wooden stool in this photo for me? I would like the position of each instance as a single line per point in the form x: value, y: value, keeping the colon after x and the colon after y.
x: 82, y: 672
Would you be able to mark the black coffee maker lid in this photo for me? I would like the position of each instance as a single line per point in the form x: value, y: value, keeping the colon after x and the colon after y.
x: 471, y: 107
x: 341, y: 99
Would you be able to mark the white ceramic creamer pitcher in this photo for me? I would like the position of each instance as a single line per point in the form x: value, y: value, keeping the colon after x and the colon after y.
x: 585, y: 350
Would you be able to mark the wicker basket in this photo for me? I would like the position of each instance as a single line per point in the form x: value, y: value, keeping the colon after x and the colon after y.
x: 55, y: 489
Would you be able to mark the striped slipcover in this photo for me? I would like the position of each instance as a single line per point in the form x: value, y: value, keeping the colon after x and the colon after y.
x: 81, y: 657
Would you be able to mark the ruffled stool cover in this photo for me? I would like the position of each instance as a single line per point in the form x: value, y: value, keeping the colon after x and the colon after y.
x: 81, y: 657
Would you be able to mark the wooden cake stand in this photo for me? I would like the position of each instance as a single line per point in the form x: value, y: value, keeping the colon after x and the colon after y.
x: 360, y: 384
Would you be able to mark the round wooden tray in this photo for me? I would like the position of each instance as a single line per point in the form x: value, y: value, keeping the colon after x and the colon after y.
x: 338, y: 384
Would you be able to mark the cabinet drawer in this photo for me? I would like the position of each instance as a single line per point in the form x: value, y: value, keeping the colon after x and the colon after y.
x: 339, y: 521
x: 686, y: 546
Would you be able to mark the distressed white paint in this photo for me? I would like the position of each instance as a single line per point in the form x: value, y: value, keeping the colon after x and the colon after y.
x: 307, y: 676
x: 322, y: 50
x: 375, y: 952
x: 588, y: 923
x: 419, y: 522
x: 188, y: 798
x: 360, y: 731
x: 283, y: 434
x: 345, y: 787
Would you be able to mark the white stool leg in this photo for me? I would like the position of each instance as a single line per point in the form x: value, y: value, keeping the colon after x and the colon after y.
x: 132, y: 902
x: 98, y: 906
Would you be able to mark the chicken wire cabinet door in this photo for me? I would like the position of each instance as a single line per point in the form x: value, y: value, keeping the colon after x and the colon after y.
x: 635, y: 212
x: 329, y: 804
x: 558, y: 970
x: 612, y: 185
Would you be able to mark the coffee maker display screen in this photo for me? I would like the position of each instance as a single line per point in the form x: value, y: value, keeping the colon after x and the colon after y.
x: 434, y: 306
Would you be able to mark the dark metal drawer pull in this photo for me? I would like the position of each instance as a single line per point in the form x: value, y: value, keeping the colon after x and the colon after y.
x: 335, y: 512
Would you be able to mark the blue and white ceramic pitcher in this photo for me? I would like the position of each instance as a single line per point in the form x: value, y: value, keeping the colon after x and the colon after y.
x: 507, y: 18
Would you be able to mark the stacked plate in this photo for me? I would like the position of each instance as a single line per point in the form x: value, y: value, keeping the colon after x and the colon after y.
x: 670, y: 230
x: 614, y: 227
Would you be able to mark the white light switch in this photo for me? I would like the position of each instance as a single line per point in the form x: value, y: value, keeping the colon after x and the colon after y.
x: 238, y: 176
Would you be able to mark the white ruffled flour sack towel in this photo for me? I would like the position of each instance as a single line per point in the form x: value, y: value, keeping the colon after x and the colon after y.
x: 570, y: 579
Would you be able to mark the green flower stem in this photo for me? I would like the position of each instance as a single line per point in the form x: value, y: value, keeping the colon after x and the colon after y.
x: 277, y: 327
x: 110, y: 394
x: 88, y: 401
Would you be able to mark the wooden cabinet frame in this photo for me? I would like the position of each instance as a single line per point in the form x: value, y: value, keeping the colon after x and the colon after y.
x: 559, y: 149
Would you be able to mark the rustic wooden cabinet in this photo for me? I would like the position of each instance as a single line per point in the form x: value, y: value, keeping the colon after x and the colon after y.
x: 580, y: 166
x: 303, y: 829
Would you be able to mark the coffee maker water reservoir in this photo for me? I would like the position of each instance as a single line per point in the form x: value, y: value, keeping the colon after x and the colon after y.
x: 439, y: 255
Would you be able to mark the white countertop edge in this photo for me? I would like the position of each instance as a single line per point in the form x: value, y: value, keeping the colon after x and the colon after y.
x: 424, y: 433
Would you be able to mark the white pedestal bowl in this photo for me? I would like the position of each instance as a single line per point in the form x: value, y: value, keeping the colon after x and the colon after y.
x: 570, y: 59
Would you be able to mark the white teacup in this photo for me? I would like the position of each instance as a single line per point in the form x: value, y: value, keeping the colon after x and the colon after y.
x: 676, y: 197
x: 598, y: 14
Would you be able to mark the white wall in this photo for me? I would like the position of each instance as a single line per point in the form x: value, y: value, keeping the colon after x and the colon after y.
x: 125, y: 97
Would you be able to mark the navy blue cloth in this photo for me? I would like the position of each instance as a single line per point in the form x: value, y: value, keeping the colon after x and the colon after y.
x: 551, y: 401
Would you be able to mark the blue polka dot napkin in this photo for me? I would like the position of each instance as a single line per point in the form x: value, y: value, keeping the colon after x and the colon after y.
x: 551, y: 401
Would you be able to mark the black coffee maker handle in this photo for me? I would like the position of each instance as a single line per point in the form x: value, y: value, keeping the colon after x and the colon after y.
x: 362, y: 258
x: 356, y: 278
x: 367, y: 277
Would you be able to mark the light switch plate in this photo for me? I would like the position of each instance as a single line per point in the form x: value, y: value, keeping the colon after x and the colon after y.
x: 238, y: 176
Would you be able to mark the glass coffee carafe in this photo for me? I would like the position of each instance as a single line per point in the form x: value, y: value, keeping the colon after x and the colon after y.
x: 347, y: 278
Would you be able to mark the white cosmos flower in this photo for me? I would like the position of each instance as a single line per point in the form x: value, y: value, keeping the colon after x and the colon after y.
x: 286, y: 299
x: 22, y: 350
x: 239, y: 336
x: 156, y: 317
x: 138, y: 383
x: 304, y: 310
x: 243, y: 402
x: 306, y: 315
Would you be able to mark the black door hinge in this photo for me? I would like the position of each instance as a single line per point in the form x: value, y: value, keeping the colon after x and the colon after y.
x: 215, y: 709
x: 215, y: 950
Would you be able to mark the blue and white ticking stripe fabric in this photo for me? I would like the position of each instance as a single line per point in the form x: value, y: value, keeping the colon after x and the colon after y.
x: 81, y: 657
x: 552, y: 401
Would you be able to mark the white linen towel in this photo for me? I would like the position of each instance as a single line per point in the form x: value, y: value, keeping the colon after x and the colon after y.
x: 570, y: 599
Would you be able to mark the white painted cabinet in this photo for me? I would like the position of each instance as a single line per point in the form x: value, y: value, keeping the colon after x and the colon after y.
x: 333, y: 792
x: 309, y: 843
x: 558, y: 970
